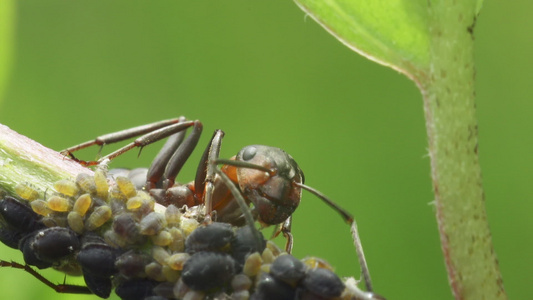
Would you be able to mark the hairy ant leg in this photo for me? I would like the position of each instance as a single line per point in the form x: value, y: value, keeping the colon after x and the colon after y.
x: 150, y: 133
x: 204, y: 181
x: 171, y: 158
x: 60, y: 288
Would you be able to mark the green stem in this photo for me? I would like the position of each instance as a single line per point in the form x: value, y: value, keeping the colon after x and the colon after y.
x: 23, y: 160
x: 449, y: 100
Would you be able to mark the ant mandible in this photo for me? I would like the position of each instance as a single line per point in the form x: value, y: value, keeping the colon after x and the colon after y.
x: 266, y: 176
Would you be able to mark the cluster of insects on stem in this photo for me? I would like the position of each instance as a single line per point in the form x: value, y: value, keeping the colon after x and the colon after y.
x: 260, y: 184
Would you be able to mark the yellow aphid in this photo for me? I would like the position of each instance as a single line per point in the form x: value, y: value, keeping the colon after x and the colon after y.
x: 26, y: 192
x: 265, y: 268
x: 82, y: 204
x: 86, y: 183
x: 148, y: 202
x: 60, y: 204
x: 160, y: 255
x: 188, y: 225
x: 99, y: 216
x: 52, y: 222
x: 115, y: 193
x: 125, y: 186
x: 100, y: 180
x: 178, y: 241
x: 276, y: 251
x: 163, y: 238
x: 170, y: 274
x: 173, y: 215
x: 315, y: 262
x: 252, y: 265
x: 66, y: 187
x: 75, y: 222
x: 40, y: 207
x: 134, y: 203
x: 155, y: 271
x: 176, y: 261
x: 267, y: 256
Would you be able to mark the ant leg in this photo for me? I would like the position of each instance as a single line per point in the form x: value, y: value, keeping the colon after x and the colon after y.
x: 142, y: 141
x: 181, y: 155
x: 286, y: 230
x: 120, y: 135
x: 60, y: 288
x: 205, y: 174
x: 348, y: 218
x: 157, y: 168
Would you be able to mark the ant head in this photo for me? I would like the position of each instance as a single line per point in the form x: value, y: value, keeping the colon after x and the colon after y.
x: 275, y: 194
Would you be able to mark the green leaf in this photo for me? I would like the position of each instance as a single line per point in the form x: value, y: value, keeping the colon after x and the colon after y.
x: 7, y: 16
x: 392, y: 32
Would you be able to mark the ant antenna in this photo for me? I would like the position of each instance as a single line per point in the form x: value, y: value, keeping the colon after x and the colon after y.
x: 241, y: 202
x: 348, y: 218
x: 243, y: 164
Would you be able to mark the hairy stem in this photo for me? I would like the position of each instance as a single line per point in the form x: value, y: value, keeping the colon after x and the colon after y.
x: 449, y: 100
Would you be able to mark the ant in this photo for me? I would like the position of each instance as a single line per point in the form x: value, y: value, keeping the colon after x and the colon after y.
x: 265, y: 176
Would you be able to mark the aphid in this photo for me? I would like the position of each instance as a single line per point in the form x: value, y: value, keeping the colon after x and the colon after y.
x: 99, y: 216
x: 75, y: 222
x: 86, y: 183
x: 212, y: 237
x: 97, y: 261
x: 82, y: 204
x: 269, y: 287
x: 205, y: 271
x: 288, y: 269
x: 60, y: 204
x: 136, y: 288
x: 323, y: 283
x: 18, y: 216
x: 66, y: 187
x: 26, y: 192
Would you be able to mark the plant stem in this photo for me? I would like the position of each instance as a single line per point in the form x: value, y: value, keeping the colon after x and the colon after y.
x: 23, y: 160
x: 449, y: 102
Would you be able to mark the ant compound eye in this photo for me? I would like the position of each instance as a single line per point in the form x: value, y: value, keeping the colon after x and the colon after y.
x: 249, y: 152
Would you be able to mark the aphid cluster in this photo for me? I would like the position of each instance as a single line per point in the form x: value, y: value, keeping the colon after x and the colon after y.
x: 146, y: 250
x: 147, y: 237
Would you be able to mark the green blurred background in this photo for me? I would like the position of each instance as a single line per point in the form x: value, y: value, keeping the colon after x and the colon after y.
x: 266, y: 74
